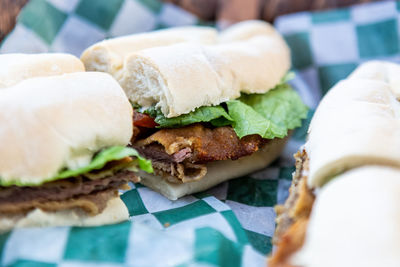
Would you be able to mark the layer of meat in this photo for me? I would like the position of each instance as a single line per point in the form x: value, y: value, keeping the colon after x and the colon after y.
x: 179, y: 172
x: 92, y: 204
x: 77, y: 192
x: 292, y: 217
x: 180, y: 154
x: 289, y: 243
x: 173, y: 167
x: 205, y: 144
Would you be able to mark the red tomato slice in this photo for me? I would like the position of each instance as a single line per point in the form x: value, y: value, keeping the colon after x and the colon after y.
x: 143, y: 120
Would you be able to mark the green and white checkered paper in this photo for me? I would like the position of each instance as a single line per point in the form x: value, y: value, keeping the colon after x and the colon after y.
x: 231, y: 224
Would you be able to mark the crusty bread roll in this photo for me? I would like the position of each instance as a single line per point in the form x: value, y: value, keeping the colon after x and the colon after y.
x: 246, y: 30
x: 355, y: 221
x: 115, y: 212
x: 357, y: 123
x: 251, y: 57
x: 49, y: 123
x: 182, y: 77
x: 217, y: 172
x: 380, y: 70
x: 17, y: 67
x: 108, y: 55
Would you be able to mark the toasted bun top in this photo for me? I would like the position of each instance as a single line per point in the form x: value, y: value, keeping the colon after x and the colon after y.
x: 357, y: 123
x: 108, y: 55
x: 250, y: 57
x: 355, y: 221
x: 17, y: 67
x: 49, y: 123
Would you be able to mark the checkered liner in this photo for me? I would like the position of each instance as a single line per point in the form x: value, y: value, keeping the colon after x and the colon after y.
x: 231, y: 224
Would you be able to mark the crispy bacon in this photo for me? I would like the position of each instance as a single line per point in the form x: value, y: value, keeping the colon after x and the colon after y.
x: 199, y: 144
x: 179, y: 155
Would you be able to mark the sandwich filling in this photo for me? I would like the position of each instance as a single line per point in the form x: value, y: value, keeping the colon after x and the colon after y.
x: 293, y: 216
x: 180, y: 147
x: 88, y: 188
x: 181, y: 154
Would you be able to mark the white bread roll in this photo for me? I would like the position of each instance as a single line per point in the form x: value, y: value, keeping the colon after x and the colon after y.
x: 108, y: 55
x: 355, y: 221
x: 245, y: 30
x: 182, y: 77
x: 17, y: 67
x: 49, y: 123
x: 380, y: 70
x: 217, y: 172
x: 115, y: 212
x: 180, y: 72
x: 357, y: 123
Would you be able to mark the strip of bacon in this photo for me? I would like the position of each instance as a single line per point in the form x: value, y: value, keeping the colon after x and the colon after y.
x: 206, y: 144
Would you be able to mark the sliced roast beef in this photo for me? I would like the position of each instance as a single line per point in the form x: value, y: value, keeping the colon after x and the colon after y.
x: 92, y: 204
x: 156, y: 152
x: 19, y: 199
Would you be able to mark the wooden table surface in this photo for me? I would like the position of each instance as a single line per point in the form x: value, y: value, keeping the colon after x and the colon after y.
x: 224, y: 11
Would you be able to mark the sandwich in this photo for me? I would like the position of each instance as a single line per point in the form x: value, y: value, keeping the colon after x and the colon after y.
x: 341, y: 210
x: 354, y: 221
x: 207, y: 111
x: 64, y: 154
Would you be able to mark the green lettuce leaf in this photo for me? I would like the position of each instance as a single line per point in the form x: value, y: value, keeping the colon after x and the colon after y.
x: 107, y: 155
x: 97, y: 163
x: 269, y: 115
x: 216, y: 115
x: 248, y: 121
x: 289, y: 76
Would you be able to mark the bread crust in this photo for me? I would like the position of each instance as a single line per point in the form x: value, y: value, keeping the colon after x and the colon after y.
x: 18, y: 67
x: 382, y: 71
x: 246, y: 30
x: 109, y: 55
x: 357, y: 123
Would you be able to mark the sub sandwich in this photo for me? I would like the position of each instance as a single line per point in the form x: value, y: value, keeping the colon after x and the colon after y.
x: 342, y: 208
x: 63, y: 156
x: 208, y: 109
